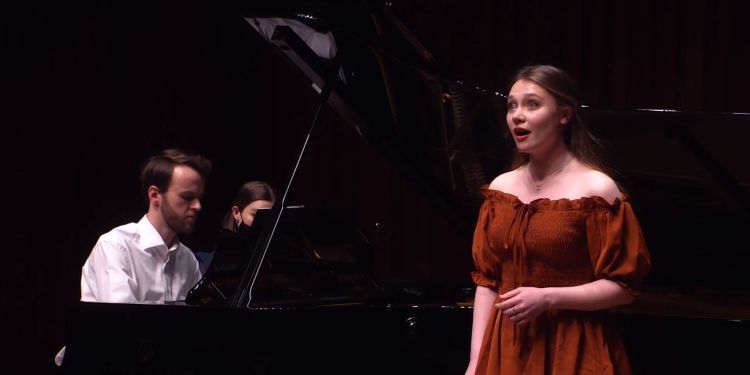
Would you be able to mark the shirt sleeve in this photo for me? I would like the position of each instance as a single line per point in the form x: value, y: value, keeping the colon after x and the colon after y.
x: 107, y: 275
x: 486, y: 265
x: 617, y: 247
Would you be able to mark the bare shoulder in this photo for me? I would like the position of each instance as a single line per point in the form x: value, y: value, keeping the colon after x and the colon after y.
x: 600, y: 184
x: 505, y: 182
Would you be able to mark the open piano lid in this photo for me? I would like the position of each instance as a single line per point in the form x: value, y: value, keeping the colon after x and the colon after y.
x: 686, y: 173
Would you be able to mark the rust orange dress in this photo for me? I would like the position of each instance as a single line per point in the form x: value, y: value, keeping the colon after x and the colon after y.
x: 559, y: 243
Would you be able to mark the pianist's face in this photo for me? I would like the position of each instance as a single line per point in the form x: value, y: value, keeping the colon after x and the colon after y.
x: 534, y: 118
x: 181, y: 202
x: 247, y: 215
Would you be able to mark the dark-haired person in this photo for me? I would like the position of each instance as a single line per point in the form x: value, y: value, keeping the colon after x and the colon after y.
x: 556, y: 244
x: 250, y: 197
x: 145, y: 261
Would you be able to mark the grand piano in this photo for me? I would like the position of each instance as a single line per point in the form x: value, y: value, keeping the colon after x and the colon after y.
x: 304, y: 298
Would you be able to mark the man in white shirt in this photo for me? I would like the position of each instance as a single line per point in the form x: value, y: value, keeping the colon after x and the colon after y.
x: 145, y: 261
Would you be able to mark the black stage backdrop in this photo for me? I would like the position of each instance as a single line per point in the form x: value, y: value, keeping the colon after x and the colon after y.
x: 94, y: 87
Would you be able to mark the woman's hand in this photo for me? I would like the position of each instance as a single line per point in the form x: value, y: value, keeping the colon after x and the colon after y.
x: 524, y: 304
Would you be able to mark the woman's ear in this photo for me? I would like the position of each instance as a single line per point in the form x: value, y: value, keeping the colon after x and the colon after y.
x: 565, y: 115
x: 236, y: 214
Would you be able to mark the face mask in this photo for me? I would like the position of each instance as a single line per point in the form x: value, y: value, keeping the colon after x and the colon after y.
x: 243, y: 229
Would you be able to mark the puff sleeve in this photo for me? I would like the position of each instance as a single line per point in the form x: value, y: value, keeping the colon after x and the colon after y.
x: 486, y: 262
x: 617, y: 247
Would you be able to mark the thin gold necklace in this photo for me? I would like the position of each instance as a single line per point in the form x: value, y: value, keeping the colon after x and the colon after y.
x: 538, y: 184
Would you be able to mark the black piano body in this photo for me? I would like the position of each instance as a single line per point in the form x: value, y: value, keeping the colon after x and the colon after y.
x: 682, y: 171
x: 334, y: 339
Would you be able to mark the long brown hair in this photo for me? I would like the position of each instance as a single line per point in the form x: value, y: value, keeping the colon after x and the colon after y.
x: 581, y: 143
x: 248, y: 193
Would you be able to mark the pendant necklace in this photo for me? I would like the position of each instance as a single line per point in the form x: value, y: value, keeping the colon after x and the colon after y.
x: 538, y: 184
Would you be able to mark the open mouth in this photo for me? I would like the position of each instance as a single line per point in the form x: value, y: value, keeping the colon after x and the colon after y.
x: 521, y: 131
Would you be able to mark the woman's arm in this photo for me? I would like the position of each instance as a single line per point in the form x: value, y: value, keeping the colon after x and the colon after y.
x: 596, y: 295
x: 526, y: 303
x: 484, y: 299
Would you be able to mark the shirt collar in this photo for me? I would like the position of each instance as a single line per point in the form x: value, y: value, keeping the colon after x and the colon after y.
x: 150, y: 239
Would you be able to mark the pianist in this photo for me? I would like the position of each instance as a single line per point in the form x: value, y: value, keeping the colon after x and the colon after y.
x: 145, y: 261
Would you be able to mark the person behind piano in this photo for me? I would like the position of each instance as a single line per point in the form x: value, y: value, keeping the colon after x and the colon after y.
x: 556, y: 244
x: 250, y: 197
x: 145, y: 261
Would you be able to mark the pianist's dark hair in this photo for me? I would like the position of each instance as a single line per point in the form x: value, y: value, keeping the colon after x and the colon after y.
x: 248, y: 193
x: 584, y: 145
x: 157, y: 170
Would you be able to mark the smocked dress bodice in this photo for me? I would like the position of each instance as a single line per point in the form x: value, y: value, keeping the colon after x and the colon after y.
x: 555, y: 243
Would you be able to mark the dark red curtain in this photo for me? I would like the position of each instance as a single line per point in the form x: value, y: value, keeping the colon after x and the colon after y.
x: 689, y: 56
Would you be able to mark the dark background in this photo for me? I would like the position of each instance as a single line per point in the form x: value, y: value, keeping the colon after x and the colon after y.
x: 92, y: 88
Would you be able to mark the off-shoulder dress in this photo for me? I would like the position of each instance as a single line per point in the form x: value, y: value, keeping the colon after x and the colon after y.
x: 555, y: 243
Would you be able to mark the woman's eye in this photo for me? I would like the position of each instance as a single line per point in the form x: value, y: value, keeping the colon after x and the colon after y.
x: 512, y: 106
x: 532, y: 105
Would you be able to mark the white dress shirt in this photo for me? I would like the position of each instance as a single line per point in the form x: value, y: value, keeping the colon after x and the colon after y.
x: 131, y: 263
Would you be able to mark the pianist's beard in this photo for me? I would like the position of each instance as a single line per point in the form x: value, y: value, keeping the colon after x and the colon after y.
x: 180, y: 223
